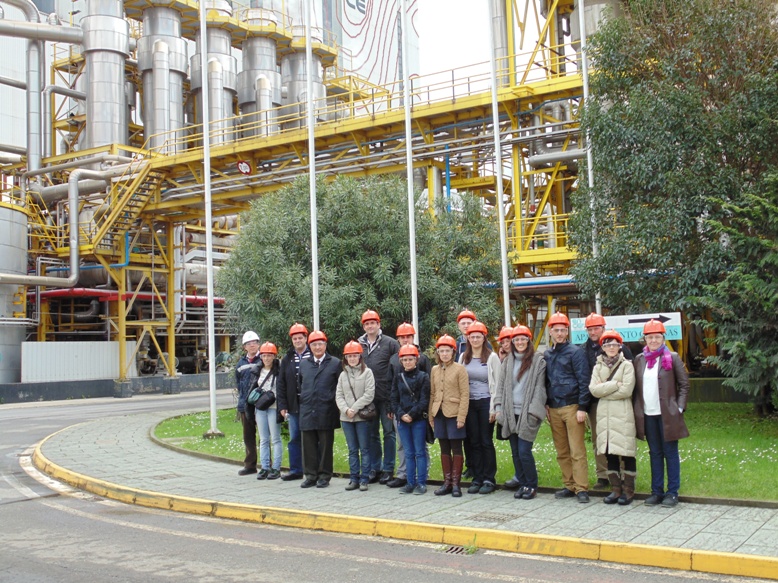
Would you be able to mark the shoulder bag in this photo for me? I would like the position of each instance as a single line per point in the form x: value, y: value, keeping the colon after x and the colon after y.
x: 261, y: 400
x: 367, y: 412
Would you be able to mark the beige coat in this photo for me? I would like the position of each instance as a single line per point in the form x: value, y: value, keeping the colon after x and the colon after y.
x: 449, y: 391
x: 615, y: 417
x: 363, y: 383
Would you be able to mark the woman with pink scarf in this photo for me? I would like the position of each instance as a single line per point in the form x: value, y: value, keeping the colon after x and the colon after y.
x: 659, y: 400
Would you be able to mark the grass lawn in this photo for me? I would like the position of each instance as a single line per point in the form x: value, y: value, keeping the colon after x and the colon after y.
x: 730, y: 454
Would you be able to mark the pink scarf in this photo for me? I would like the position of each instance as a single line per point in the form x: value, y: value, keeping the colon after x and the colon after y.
x: 651, y: 357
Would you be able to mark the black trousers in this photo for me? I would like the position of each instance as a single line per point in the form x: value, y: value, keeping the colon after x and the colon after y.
x: 317, y: 454
x: 249, y: 422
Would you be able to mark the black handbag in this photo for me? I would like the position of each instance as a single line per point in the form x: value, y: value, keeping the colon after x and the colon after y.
x: 430, y: 437
x: 369, y: 411
x: 261, y: 400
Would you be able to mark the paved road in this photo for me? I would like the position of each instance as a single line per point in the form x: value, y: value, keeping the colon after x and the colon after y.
x: 51, y: 533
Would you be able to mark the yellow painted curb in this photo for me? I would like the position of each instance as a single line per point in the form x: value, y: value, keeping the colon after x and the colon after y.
x: 481, y: 538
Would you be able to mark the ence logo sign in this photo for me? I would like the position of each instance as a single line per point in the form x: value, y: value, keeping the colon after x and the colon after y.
x: 358, y: 5
x: 630, y: 327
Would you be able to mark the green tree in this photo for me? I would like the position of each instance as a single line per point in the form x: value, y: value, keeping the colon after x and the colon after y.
x: 745, y: 303
x: 363, y: 261
x: 683, y: 124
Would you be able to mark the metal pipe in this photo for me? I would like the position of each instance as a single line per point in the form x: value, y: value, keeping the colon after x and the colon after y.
x: 50, y: 194
x: 104, y: 157
x: 312, y: 164
x: 10, y: 158
x: 35, y: 65
x: 47, y: 91
x: 41, y: 32
x: 160, y: 73
x: 20, y: 150
x: 499, y: 203
x: 554, y: 157
x: 264, y: 101
x: 12, y: 82
x: 216, y: 134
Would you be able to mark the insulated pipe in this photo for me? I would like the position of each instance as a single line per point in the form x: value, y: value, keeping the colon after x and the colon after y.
x: 160, y: 72
x: 216, y: 101
x: 48, y: 90
x: 18, y: 150
x: 51, y: 194
x: 35, y: 65
x: 41, y: 32
x: 10, y: 158
x: 264, y: 102
x: 12, y: 82
x: 554, y: 157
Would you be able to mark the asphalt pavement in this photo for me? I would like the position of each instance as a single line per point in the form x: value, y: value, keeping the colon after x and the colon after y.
x: 116, y: 457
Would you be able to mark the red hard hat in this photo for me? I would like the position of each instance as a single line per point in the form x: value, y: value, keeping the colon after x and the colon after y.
x: 353, y: 348
x: 409, y: 350
x: 477, y: 327
x: 505, y: 332
x: 594, y: 320
x: 370, y: 315
x: 298, y: 328
x: 268, y: 348
x: 446, y: 340
x: 317, y: 335
x: 654, y: 327
x: 558, y: 318
x: 405, y: 329
x: 611, y: 335
x: 521, y: 330
x: 466, y: 314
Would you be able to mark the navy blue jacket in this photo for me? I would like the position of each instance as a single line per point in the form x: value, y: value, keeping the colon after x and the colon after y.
x: 413, y: 402
x: 318, y: 384
x: 246, y: 375
x: 288, y: 382
x: 567, y: 377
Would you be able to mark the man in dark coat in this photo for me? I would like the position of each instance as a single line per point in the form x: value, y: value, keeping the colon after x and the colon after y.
x: 405, y: 336
x: 567, y: 379
x: 319, y: 415
x: 288, y: 397
x: 595, y: 328
x: 246, y: 374
x: 378, y: 349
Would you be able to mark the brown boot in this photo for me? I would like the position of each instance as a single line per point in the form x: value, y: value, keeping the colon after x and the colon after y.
x: 445, y: 462
x: 628, y: 493
x: 456, y: 476
x: 615, y: 479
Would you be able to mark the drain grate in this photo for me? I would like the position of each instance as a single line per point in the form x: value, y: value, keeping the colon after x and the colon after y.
x: 456, y: 551
x: 494, y: 517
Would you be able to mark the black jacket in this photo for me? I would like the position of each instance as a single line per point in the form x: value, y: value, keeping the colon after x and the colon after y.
x: 246, y: 375
x: 318, y: 385
x: 567, y: 377
x: 377, y: 360
x: 396, y: 367
x: 288, y: 384
x: 415, y: 401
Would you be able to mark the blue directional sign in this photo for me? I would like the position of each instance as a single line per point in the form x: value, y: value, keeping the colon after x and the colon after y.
x: 630, y: 327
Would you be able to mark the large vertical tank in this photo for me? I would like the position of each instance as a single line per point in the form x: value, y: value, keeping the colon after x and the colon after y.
x: 106, y: 47
x: 162, y: 62
x: 222, y: 74
x: 13, y: 259
x: 294, y: 74
x: 259, y: 83
x: 594, y: 12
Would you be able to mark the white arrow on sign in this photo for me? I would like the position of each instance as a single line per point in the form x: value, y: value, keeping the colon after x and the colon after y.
x: 631, y: 326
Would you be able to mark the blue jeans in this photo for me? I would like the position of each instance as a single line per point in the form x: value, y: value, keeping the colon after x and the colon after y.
x: 413, y: 437
x: 382, y: 422
x: 294, y: 446
x: 662, y: 452
x: 523, y: 461
x: 358, y: 440
x: 483, y: 458
x: 269, y: 434
x: 401, y: 469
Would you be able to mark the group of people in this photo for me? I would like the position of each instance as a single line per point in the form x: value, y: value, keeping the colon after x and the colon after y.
x: 386, y: 387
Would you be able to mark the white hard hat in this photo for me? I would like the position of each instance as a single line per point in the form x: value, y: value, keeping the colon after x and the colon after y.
x: 249, y: 336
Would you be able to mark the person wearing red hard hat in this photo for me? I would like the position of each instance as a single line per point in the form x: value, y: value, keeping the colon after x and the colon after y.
x: 288, y: 397
x: 356, y: 390
x: 267, y: 417
x: 567, y: 381
x: 504, y: 340
x: 483, y: 371
x: 520, y: 406
x: 410, y: 401
x: 379, y: 349
x: 595, y: 327
x: 405, y: 336
x: 246, y: 373
x: 319, y: 415
x: 449, y: 400
x: 613, y: 380
x: 661, y: 390
x: 464, y: 319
